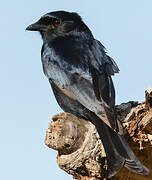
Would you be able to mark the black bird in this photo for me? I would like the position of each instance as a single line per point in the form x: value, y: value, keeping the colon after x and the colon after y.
x: 79, y: 71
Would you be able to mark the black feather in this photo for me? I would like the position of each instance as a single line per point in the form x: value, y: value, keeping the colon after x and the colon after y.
x: 79, y: 71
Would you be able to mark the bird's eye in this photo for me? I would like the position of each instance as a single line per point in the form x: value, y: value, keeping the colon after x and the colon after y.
x: 56, y: 22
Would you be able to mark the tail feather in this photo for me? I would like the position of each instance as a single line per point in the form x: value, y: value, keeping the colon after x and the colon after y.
x: 114, y: 159
x: 132, y: 163
x: 117, y: 150
x: 136, y: 166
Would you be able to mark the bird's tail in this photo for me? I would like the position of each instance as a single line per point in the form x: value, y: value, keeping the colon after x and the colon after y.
x: 117, y: 150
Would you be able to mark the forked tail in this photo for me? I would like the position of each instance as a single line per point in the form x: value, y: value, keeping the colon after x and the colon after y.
x: 117, y: 150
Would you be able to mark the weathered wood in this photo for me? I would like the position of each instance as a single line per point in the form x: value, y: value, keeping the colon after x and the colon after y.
x: 80, y: 151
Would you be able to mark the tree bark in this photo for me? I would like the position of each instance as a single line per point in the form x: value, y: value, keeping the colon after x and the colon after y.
x: 80, y: 150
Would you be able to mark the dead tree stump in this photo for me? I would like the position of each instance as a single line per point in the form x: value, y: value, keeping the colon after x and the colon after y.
x: 80, y: 150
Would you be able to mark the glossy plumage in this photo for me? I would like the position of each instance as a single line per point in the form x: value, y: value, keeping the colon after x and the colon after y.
x: 79, y: 71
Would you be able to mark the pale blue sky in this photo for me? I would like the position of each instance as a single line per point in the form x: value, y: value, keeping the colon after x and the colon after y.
x: 26, y: 99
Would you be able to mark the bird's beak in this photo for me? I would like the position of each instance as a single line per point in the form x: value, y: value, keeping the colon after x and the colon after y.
x: 36, y: 27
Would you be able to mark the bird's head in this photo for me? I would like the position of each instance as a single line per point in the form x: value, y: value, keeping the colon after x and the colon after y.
x: 59, y: 23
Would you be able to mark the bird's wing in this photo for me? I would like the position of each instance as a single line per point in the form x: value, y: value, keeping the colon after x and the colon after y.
x: 102, y: 67
x: 83, y: 74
